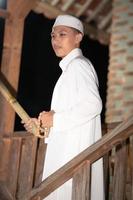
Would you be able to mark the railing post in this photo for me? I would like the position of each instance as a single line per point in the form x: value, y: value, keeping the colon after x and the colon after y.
x: 81, y: 182
x: 120, y: 172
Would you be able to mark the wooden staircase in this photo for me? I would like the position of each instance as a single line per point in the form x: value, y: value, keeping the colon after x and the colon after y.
x: 22, y: 160
x: 120, y: 140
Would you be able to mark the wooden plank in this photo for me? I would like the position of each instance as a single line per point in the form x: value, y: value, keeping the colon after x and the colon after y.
x: 96, y: 34
x: 107, y: 159
x: 27, y: 164
x: 92, y: 153
x: 41, y: 151
x: 10, y: 66
x: 20, y: 8
x: 4, y: 192
x: 106, y: 164
x: 54, y: 2
x: 13, y: 166
x: 106, y: 173
x: 66, y: 5
x: 47, y: 9
x: 10, y: 69
x: 120, y: 172
x: 96, y: 10
x: 5, y: 146
x: 84, y: 7
x: 81, y: 182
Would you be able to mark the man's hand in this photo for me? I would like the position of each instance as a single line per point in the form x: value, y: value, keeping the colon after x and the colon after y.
x: 29, y: 124
x: 46, y: 119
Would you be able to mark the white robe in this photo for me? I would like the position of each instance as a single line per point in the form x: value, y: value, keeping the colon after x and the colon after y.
x: 76, y: 123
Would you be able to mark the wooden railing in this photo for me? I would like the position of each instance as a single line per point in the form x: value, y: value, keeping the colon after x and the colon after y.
x: 79, y: 167
x: 21, y: 164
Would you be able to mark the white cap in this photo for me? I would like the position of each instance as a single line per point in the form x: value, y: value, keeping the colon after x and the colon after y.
x: 70, y: 21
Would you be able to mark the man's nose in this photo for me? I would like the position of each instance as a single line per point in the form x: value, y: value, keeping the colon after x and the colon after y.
x: 56, y: 38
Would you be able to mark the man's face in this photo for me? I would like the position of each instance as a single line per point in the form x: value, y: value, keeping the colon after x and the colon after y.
x: 64, y: 40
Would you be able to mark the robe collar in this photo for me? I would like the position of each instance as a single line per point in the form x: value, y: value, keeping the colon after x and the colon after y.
x: 67, y: 59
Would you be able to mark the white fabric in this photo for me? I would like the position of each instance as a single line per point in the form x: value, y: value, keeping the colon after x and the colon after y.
x: 70, y: 21
x: 77, y: 125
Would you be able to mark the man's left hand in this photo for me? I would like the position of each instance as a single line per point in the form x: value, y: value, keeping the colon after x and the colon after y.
x: 46, y: 119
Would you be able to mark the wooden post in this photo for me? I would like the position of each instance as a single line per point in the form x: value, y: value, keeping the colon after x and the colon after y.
x: 81, y: 182
x: 27, y: 165
x: 9, y: 166
x: 40, y: 159
x: 10, y: 69
x: 120, y: 172
x: 10, y: 66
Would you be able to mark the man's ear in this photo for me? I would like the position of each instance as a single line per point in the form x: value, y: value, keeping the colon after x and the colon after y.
x: 79, y: 37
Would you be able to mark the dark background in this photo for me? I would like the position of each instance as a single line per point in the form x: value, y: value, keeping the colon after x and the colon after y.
x: 39, y: 65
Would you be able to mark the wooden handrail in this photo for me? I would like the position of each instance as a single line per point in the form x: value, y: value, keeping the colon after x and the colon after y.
x: 92, y: 153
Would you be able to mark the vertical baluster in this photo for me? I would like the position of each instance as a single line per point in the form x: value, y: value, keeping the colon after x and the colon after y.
x: 81, y: 182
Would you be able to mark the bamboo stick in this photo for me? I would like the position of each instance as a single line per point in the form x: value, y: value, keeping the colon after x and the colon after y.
x: 19, y: 109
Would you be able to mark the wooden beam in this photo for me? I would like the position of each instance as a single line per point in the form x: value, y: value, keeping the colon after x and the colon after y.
x: 10, y: 67
x: 4, y: 13
x: 40, y: 157
x: 67, y: 5
x: 52, y: 12
x: 97, y: 34
x: 47, y: 9
x: 81, y: 182
x: 54, y: 2
x: 20, y: 8
x: 27, y: 166
x: 13, y: 162
x: 84, y: 7
x: 97, y: 10
x: 120, y: 171
x: 105, y: 21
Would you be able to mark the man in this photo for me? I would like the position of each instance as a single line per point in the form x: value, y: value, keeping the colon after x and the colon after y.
x: 74, y: 119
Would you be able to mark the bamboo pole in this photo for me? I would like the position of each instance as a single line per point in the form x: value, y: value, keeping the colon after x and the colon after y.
x: 37, y: 131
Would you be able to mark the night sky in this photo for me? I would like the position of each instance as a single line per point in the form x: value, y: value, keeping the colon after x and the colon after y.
x: 39, y: 65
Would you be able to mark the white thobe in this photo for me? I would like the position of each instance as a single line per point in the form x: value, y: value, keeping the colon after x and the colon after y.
x: 76, y: 123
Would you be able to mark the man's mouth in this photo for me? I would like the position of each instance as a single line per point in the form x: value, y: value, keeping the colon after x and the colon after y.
x: 57, y: 47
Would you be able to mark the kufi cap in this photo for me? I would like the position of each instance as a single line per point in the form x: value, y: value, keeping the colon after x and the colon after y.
x: 70, y: 21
